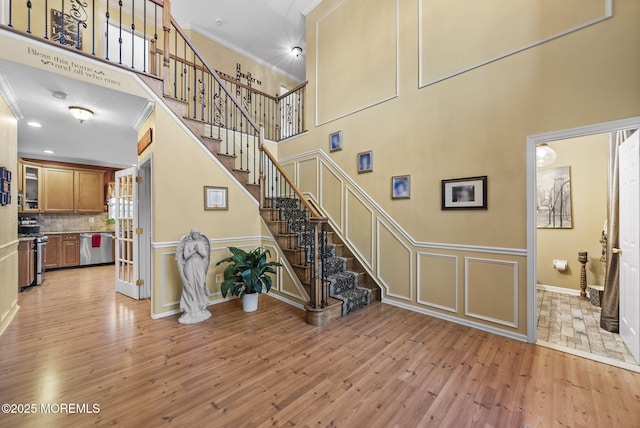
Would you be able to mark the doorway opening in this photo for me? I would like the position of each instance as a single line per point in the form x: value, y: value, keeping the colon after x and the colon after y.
x: 566, y: 213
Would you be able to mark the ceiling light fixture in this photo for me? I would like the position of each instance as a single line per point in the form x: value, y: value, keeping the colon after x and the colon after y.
x: 545, y: 155
x: 49, y: 152
x: 80, y: 113
x: 296, y: 51
x: 34, y: 124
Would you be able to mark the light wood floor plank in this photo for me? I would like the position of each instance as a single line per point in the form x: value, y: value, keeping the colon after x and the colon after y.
x: 75, y: 341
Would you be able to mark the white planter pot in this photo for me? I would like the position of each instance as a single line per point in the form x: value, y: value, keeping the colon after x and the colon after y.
x: 250, y: 302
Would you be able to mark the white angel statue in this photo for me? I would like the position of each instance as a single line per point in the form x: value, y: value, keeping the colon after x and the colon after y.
x: 193, y: 255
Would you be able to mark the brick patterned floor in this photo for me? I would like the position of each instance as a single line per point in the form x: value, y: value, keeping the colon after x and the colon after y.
x: 573, y: 322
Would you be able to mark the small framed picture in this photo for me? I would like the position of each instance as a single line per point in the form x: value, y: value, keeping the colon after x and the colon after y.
x: 465, y: 193
x: 216, y: 198
x: 335, y: 141
x: 365, y: 162
x: 401, y: 187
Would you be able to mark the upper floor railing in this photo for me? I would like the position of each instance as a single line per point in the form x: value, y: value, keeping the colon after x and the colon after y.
x: 136, y: 34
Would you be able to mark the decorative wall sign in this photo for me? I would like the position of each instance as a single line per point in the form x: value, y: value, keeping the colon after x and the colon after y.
x: 145, y: 141
x: 69, y: 34
x: 216, y: 198
x: 5, y: 186
x: 465, y: 193
x: 553, y: 198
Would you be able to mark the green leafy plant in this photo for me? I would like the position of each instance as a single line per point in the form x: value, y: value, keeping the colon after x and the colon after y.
x: 247, y: 272
x: 110, y: 221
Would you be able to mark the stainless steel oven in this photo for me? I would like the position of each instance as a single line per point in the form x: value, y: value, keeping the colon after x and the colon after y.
x: 40, y: 256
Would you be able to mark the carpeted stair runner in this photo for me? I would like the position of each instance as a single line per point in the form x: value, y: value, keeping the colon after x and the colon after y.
x: 343, y: 284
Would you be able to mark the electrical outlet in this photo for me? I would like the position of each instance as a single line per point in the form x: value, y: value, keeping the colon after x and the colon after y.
x: 91, y: 219
x: 219, y: 278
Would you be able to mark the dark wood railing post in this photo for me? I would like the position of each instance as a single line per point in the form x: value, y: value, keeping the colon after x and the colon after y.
x: 166, y: 27
x: 261, y: 167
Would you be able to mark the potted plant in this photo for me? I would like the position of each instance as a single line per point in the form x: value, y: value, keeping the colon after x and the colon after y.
x: 246, y: 276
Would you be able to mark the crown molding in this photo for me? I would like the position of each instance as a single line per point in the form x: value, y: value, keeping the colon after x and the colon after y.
x: 10, y: 96
x: 312, y: 6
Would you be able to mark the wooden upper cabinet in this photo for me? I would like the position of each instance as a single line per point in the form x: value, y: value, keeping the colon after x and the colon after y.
x: 89, y: 191
x: 58, y: 187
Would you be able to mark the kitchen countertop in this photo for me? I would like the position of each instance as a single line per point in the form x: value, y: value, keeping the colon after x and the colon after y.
x: 26, y: 238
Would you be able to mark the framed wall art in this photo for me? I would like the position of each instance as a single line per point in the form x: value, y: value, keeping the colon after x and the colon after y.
x: 335, y: 141
x: 553, y: 198
x: 401, y: 187
x: 465, y: 193
x: 216, y: 198
x: 365, y: 162
x: 66, y: 27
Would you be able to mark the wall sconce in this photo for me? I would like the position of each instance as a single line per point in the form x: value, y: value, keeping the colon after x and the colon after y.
x: 545, y: 155
x: 296, y: 51
x: 80, y: 113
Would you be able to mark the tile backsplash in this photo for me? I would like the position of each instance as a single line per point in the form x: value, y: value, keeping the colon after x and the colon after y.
x: 73, y: 222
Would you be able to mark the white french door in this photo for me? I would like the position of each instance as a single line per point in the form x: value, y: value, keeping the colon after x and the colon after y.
x: 126, y: 202
x: 629, y: 165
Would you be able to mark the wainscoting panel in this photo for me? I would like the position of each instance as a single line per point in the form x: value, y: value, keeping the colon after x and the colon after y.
x: 488, y: 284
x: 360, y: 232
x: 290, y: 170
x: 307, y: 179
x: 365, y: 61
x: 331, y: 188
x: 395, y: 264
x: 491, y: 290
x: 438, y: 281
x: 459, y: 36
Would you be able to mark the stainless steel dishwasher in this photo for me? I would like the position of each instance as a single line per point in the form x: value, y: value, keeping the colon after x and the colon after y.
x: 96, y: 248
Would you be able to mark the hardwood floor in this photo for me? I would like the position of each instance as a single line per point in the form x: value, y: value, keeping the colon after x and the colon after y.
x: 75, y: 341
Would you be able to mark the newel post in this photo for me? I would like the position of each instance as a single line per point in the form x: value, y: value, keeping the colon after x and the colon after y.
x: 166, y: 28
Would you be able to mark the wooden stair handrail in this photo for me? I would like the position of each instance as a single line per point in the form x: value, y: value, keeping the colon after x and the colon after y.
x: 315, y: 215
x: 215, y: 75
x: 297, y: 88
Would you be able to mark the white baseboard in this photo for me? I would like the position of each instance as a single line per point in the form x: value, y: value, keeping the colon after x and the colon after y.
x: 456, y: 320
x: 285, y: 300
x: 561, y: 290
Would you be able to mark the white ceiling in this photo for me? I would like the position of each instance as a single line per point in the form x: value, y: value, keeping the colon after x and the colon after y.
x: 108, y: 139
x: 265, y: 30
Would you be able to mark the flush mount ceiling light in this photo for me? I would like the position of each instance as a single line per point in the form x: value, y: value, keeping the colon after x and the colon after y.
x: 34, y: 124
x: 80, y: 113
x: 296, y: 51
x: 545, y: 155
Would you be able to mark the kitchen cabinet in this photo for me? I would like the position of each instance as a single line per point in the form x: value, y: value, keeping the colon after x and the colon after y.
x: 53, y: 189
x: 26, y: 265
x: 89, y: 191
x: 58, y: 185
x: 32, y: 187
x: 63, y: 250
x: 70, y: 250
x: 20, y: 179
x: 52, y: 254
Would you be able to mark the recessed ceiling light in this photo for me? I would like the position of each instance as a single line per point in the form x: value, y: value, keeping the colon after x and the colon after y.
x: 49, y: 152
x: 59, y: 95
x: 134, y: 164
x: 34, y: 124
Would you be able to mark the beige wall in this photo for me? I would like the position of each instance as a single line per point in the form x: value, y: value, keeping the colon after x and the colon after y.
x: 588, y: 159
x: 224, y: 59
x: 473, y: 124
x: 8, y: 219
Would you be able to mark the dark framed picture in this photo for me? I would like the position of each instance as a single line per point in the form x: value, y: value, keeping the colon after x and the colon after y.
x: 67, y: 28
x: 401, y: 187
x: 365, y: 162
x: 216, y: 198
x: 335, y: 141
x: 465, y: 193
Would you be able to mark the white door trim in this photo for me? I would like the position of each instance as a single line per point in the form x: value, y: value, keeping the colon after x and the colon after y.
x: 145, y: 219
x: 532, y: 140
